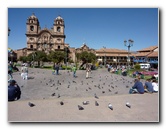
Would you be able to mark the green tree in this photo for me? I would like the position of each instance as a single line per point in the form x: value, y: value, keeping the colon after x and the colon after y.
x: 86, y: 57
x: 38, y: 56
x: 56, y: 56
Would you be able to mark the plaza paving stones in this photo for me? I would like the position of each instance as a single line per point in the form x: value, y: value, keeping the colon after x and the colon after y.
x: 56, y: 98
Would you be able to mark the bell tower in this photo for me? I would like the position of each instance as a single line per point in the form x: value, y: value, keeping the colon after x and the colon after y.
x: 32, y: 25
x: 58, y: 32
x: 33, y: 28
x: 59, y: 25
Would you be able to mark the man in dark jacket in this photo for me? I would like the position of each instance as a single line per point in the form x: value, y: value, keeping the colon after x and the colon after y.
x: 137, y: 88
x: 14, y: 92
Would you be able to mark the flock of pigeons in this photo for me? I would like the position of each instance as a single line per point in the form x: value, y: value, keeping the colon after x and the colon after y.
x: 85, y: 103
x: 105, y: 84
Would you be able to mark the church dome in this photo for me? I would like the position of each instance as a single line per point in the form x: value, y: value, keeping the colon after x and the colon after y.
x: 33, y: 16
x: 59, y: 18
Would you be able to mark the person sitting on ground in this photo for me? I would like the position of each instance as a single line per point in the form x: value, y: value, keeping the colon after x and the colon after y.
x: 148, y: 86
x: 137, y: 88
x: 124, y: 72
x: 14, y: 92
x: 155, y: 85
x: 135, y: 73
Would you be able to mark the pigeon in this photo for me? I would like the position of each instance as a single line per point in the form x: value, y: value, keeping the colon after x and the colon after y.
x: 96, y: 96
x: 59, y: 96
x: 80, y: 107
x: 96, y: 103
x: 31, y: 104
x: 109, y: 90
x: 128, y: 105
x: 53, y: 94
x: 61, y: 103
x: 127, y: 86
x: 85, y: 102
x: 110, y: 106
x: 116, y: 92
x: 74, y: 81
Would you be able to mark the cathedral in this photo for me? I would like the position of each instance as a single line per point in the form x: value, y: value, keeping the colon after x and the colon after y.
x: 45, y: 39
x: 48, y: 39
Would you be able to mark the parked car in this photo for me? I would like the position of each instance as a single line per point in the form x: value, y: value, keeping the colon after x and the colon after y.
x: 145, y: 66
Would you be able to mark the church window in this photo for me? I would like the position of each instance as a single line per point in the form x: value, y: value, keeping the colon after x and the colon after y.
x: 31, y: 46
x: 32, y: 28
x: 59, y: 47
x: 58, y: 29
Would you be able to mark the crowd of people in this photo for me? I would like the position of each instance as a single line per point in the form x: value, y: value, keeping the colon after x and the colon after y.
x: 150, y: 86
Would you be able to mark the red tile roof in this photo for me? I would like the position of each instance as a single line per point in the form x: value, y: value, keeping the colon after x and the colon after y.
x: 151, y: 48
x: 153, y: 54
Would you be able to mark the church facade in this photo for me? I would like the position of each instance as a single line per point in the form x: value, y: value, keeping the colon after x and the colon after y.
x: 48, y: 39
x: 45, y: 39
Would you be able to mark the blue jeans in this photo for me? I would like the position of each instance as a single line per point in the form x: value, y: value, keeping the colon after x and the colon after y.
x: 74, y: 74
x: 57, y: 72
x: 131, y: 91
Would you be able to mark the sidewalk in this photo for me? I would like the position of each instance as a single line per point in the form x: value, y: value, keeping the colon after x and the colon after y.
x: 144, y: 108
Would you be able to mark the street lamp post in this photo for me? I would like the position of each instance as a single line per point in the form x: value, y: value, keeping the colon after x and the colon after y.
x: 66, y: 57
x: 128, y: 44
x: 9, y: 31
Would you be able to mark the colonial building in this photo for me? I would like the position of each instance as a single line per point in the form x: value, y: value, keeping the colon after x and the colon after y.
x: 44, y: 39
x: 114, y: 56
x: 147, y: 55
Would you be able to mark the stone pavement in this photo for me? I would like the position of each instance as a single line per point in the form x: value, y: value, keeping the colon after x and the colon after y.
x: 46, y: 91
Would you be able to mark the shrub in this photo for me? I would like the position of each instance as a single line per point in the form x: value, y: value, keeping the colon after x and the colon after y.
x: 137, y: 67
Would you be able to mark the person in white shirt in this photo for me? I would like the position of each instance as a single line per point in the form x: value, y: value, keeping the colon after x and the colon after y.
x: 155, y: 85
x: 24, y: 72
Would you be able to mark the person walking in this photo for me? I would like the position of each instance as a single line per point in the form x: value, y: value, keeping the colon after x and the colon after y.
x: 57, y: 68
x: 10, y: 71
x: 24, y: 71
x: 88, y: 70
x: 74, y: 69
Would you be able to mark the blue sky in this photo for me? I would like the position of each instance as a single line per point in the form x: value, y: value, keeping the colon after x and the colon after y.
x: 97, y: 27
